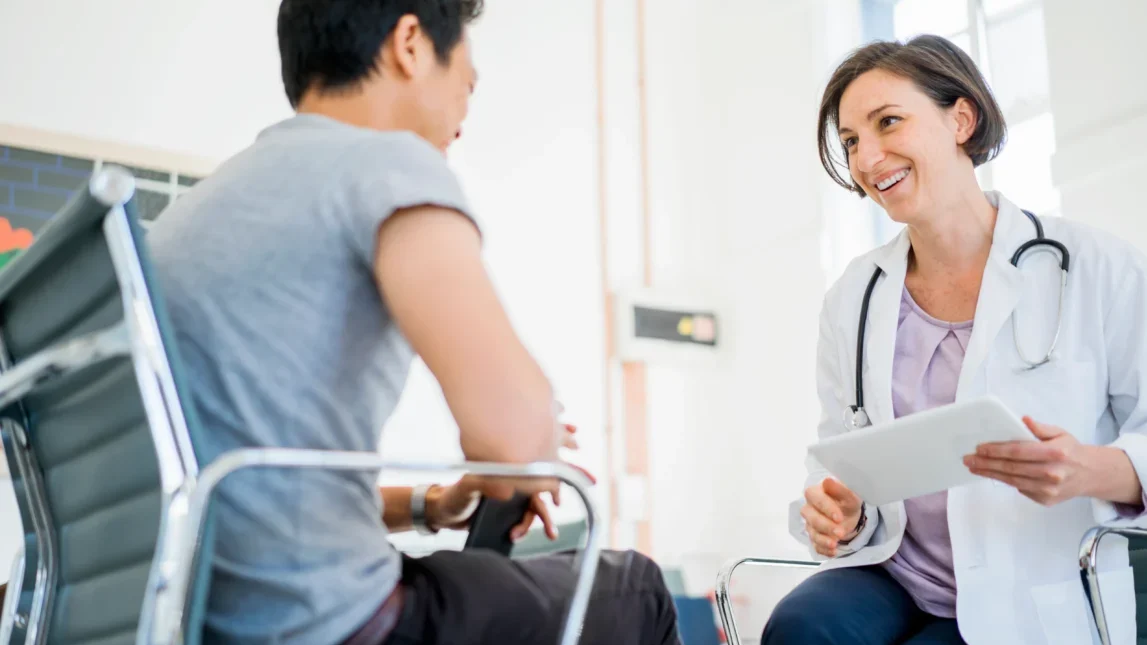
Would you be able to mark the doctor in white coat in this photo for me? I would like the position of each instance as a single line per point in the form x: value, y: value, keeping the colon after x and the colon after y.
x: 949, y: 315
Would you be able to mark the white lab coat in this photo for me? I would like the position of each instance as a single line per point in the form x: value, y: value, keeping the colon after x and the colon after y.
x: 1016, y: 562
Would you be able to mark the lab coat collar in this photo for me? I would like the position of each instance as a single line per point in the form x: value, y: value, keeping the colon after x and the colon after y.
x: 1001, y: 288
x: 883, y: 319
x: 1012, y: 229
x: 1000, y: 292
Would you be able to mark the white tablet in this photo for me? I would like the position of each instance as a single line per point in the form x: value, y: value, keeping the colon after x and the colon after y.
x: 918, y: 454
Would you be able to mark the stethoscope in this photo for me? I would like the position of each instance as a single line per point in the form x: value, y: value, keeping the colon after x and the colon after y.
x: 856, y: 417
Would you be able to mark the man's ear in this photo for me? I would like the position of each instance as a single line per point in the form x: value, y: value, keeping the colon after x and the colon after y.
x: 967, y: 117
x: 404, y: 49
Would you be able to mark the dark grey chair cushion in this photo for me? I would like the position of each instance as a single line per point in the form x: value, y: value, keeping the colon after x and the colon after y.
x: 88, y: 432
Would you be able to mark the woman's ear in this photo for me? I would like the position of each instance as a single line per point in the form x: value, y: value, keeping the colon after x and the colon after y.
x: 966, y: 117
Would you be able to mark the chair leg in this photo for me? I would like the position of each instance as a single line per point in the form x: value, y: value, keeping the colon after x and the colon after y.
x: 725, y: 579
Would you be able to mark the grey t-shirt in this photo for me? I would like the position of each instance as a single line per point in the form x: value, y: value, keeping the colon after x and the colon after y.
x: 266, y: 267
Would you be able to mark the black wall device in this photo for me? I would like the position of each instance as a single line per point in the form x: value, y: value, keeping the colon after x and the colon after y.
x: 691, y: 327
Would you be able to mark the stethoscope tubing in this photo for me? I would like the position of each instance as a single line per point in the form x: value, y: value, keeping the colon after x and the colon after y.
x: 856, y: 416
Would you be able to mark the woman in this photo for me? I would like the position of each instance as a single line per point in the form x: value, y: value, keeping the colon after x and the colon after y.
x: 996, y: 561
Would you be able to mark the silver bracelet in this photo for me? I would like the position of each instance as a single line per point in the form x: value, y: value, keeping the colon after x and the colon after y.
x: 418, y: 509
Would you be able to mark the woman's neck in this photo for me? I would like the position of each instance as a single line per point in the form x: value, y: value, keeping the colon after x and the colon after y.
x: 954, y: 240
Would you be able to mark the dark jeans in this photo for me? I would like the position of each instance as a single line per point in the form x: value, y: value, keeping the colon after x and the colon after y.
x: 858, y: 606
x: 479, y: 597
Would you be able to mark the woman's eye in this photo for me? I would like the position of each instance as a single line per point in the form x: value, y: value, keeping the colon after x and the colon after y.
x: 888, y: 121
x: 848, y: 143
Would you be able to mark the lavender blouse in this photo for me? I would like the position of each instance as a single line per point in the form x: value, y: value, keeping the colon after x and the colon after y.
x: 925, y: 371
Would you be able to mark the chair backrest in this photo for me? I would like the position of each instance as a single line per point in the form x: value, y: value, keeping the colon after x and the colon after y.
x: 94, y: 432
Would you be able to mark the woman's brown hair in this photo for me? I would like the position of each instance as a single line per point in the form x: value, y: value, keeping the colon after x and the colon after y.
x: 940, y: 69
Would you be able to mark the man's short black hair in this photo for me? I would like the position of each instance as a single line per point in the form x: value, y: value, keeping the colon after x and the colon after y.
x: 334, y: 44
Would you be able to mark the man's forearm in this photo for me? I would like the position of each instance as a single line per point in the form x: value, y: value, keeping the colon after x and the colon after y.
x: 521, y: 433
x: 396, y: 513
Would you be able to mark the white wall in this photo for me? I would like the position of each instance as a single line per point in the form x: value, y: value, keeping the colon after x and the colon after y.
x: 201, y: 78
x: 1096, y: 53
x: 192, y: 77
x: 741, y: 213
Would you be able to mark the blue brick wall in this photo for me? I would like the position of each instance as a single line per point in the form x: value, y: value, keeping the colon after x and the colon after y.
x: 34, y: 185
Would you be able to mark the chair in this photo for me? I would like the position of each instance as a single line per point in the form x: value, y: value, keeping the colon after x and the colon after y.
x: 1089, y: 562
x: 12, y: 600
x: 102, y: 446
x: 724, y: 580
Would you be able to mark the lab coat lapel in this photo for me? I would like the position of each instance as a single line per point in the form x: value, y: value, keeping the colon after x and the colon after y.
x: 883, y: 319
x: 1000, y: 289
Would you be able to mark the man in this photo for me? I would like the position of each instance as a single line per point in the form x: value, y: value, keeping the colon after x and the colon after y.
x: 302, y: 278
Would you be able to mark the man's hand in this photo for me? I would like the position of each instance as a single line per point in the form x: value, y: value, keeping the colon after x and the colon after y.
x: 831, y: 514
x: 1058, y: 467
x: 452, y: 507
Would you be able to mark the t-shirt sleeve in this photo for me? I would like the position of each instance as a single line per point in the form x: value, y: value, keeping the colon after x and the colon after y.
x: 397, y: 171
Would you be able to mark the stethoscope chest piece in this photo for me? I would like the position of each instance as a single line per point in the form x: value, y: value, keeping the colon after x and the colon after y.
x: 855, y: 417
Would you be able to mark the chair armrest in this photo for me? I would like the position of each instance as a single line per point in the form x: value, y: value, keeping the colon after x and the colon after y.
x: 725, y: 577
x: 10, y: 618
x: 1088, y: 565
x: 189, y: 505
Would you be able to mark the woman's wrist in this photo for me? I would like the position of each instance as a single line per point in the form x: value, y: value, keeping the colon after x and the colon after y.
x: 1111, y: 477
x: 858, y: 529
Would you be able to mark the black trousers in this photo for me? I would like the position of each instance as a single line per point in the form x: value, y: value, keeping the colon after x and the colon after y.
x: 478, y: 597
x: 855, y: 606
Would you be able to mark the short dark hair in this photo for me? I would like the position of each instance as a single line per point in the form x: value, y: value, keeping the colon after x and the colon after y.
x: 334, y: 44
x: 940, y: 69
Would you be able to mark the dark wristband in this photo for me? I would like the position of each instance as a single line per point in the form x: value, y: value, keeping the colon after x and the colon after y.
x: 859, y: 524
